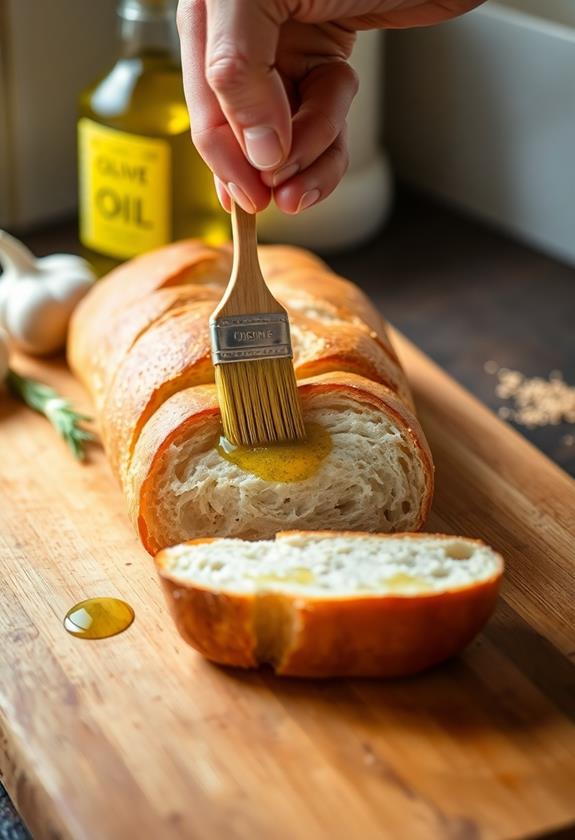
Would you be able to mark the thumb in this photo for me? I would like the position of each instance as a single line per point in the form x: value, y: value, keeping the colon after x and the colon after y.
x: 241, y: 44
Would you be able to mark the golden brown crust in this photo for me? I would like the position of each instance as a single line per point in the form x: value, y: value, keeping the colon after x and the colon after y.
x: 127, y: 325
x: 388, y: 636
x: 347, y: 348
x: 308, y: 289
x: 218, y: 626
x: 180, y: 264
x: 379, y: 636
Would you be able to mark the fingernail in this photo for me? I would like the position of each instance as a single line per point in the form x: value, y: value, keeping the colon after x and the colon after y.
x: 307, y: 199
x: 241, y: 198
x: 263, y: 147
x: 284, y: 174
x: 222, y: 193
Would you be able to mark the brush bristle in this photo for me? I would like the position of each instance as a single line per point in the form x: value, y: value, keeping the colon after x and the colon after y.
x: 259, y: 402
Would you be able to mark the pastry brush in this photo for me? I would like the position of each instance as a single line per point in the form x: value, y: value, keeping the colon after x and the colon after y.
x: 251, y: 351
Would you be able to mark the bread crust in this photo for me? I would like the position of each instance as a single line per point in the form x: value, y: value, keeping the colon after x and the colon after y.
x: 344, y: 299
x: 391, y: 636
x: 128, y: 325
x: 181, y: 264
x: 366, y: 636
x: 218, y: 626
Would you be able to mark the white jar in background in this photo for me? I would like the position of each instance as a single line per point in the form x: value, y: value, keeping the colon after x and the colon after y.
x: 360, y: 204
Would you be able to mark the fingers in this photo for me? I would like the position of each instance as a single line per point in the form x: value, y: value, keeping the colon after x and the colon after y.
x: 326, y: 95
x: 242, y: 39
x: 409, y: 13
x: 219, y: 148
x: 319, y: 156
x: 211, y: 133
x: 317, y: 181
x: 223, y: 195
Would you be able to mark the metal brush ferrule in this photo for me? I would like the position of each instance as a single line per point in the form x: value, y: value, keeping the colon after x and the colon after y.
x: 245, y: 338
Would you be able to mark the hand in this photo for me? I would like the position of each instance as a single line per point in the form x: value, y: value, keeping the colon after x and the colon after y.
x: 268, y: 88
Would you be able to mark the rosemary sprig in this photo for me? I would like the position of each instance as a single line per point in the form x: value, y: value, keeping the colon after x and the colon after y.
x: 56, y: 409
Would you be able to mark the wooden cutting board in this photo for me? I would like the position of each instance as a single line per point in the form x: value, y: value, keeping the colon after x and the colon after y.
x: 137, y: 736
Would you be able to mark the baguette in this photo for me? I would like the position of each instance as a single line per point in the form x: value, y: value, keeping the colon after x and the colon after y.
x: 330, y: 604
x: 139, y: 342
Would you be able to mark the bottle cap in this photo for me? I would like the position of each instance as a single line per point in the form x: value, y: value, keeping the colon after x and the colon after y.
x: 147, y: 9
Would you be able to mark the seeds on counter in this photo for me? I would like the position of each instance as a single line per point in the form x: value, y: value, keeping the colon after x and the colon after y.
x: 535, y: 401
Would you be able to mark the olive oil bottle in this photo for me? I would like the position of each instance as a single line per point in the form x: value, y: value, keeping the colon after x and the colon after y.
x: 142, y: 184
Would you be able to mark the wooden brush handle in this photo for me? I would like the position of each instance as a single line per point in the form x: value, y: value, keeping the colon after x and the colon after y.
x: 247, y: 292
x: 244, y: 233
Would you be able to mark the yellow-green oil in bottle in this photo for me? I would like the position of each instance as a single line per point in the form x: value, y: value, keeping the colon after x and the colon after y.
x: 142, y: 183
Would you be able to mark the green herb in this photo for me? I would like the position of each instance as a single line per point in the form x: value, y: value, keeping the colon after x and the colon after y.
x: 55, y: 408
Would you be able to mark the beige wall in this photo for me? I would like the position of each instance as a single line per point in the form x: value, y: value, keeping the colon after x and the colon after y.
x: 481, y: 112
x: 52, y: 49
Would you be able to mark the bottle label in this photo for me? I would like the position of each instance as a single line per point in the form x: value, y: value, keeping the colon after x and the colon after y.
x: 125, y: 190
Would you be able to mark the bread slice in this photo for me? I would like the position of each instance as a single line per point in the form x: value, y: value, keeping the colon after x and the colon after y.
x: 321, y: 604
x: 378, y: 475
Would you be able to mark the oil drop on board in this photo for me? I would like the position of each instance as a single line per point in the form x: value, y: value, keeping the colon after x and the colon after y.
x: 142, y: 184
x: 98, y: 618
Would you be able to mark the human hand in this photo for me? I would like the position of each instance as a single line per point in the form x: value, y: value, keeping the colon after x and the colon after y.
x: 268, y: 87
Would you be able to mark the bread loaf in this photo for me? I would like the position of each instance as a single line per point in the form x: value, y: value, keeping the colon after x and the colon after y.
x: 140, y: 343
x: 331, y: 604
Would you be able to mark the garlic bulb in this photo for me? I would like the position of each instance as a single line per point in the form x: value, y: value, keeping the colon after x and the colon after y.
x: 38, y: 296
x: 4, y: 355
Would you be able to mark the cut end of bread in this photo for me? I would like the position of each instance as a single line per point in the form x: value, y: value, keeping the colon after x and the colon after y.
x: 328, y: 604
x: 333, y: 565
x: 376, y: 476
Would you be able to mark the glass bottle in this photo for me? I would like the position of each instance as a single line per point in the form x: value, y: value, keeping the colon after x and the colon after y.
x: 142, y: 183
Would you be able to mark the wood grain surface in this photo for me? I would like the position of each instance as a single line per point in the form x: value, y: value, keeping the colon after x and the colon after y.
x: 137, y: 736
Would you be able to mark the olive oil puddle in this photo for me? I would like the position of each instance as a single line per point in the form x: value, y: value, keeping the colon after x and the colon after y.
x: 285, y: 463
x: 98, y: 618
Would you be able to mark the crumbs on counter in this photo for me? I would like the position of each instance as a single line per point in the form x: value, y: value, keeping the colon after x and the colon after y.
x: 534, y: 401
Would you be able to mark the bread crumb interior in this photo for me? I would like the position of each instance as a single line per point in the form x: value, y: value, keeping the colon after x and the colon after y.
x: 323, y: 566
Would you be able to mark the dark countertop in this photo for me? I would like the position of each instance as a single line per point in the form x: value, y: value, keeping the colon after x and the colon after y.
x: 466, y: 294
